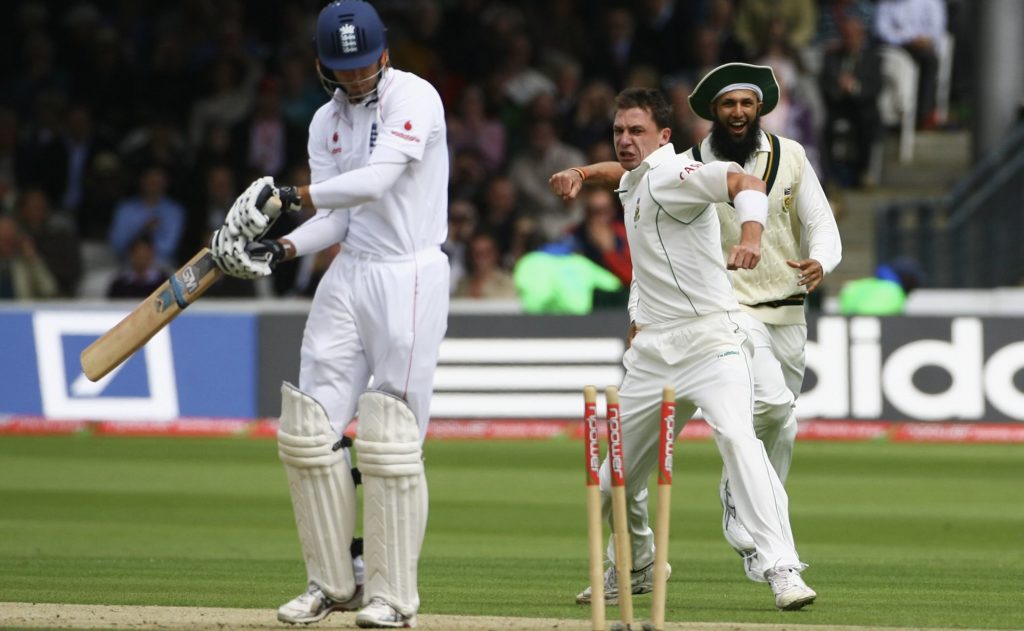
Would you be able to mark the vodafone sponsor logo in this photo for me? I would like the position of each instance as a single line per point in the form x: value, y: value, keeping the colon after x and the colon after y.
x: 405, y: 136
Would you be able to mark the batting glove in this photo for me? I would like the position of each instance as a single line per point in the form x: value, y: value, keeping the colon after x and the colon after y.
x: 251, y: 216
x: 229, y: 253
x: 268, y: 251
x: 290, y: 199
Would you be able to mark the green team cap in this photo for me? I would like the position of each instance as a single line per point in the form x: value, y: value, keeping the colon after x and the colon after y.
x: 735, y: 76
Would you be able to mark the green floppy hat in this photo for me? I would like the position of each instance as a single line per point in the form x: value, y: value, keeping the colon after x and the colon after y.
x: 742, y: 76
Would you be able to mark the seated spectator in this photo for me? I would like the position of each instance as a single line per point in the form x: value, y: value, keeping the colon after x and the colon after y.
x: 474, y: 127
x: 54, y: 238
x: 485, y: 279
x: 462, y: 220
x: 601, y: 236
x: 833, y: 12
x: 753, y: 23
x: 142, y: 273
x: 917, y: 26
x: 503, y: 216
x: 851, y: 79
x: 152, y: 212
x: 530, y: 170
x: 23, y: 274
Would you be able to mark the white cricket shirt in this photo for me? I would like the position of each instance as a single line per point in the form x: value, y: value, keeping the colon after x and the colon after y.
x: 406, y: 117
x: 674, y: 237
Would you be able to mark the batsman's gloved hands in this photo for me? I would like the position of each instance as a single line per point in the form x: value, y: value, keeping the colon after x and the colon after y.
x: 290, y: 199
x: 268, y: 251
x: 230, y: 255
x: 251, y: 215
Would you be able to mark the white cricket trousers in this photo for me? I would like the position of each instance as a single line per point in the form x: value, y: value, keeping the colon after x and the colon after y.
x: 779, y: 362
x: 708, y: 362
x: 375, y: 316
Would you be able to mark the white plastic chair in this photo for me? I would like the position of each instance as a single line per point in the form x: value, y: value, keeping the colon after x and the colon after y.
x: 897, y: 103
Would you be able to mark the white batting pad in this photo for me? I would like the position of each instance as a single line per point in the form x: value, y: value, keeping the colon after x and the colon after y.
x: 323, y: 494
x: 394, y: 499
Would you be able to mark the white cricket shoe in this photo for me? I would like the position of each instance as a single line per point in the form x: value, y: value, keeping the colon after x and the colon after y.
x: 791, y: 593
x: 378, y: 614
x: 314, y: 605
x: 641, y: 581
x: 733, y: 529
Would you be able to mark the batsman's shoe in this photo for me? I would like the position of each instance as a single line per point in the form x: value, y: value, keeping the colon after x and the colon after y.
x: 642, y: 582
x: 314, y: 605
x: 791, y: 593
x: 733, y: 529
x: 378, y: 614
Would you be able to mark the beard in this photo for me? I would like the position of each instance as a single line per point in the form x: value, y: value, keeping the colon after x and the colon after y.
x: 732, y: 150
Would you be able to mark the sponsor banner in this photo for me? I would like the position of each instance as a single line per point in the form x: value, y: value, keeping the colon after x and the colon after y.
x: 527, y: 429
x: 843, y: 430
x: 958, y: 433
x: 199, y: 366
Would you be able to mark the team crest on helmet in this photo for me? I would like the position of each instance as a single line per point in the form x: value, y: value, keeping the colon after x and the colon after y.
x: 347, y: 33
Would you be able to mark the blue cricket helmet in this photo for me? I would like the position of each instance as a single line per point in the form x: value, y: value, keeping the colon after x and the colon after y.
x: 349, y: 35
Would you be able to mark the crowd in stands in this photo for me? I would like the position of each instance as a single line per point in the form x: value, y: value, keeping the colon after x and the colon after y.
x: 128, y: 128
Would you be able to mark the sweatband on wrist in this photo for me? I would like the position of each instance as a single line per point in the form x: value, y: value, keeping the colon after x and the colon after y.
x: 751, y: 205
x: 583, y: 174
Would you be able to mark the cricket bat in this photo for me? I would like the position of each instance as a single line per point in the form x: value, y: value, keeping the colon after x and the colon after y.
x: 154, y: 313
x: 183, y: 288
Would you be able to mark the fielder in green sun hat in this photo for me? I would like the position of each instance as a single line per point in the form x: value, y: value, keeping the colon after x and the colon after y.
x: 735, y: 76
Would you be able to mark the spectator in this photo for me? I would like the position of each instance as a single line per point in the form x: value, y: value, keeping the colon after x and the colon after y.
x: 851, y: 79
x: 475, y: 128
x: 831, y: 15
x: 268, y: 146
x: 142, y: 273
x: 663, y: 35
x: 233, y: 89
x: 503, y: 217
x: 54, y: 239
x: 485, y: 279
x: 23, y: 274
x: 157, y: 142
x: 797, y: 20
x: 462, y: 222
x: 81, y: 145
x: 919, y: 27
x: 151, y: 212
x: 601, y: 236
x: 793, y: 117
x: 468, y: 174
x: 593, y: 116
x: 613, y: 57
x: 529, y: 171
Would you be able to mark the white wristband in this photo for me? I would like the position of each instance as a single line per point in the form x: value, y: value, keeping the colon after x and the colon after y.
x: 751, y: 205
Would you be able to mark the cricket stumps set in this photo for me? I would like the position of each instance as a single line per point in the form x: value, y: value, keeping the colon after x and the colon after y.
x: 620, y: 527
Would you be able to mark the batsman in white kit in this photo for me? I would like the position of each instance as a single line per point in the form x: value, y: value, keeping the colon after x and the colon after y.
x: 379, y: 164
x: 690, y: 335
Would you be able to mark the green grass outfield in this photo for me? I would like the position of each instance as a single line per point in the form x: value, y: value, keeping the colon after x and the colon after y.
x: 896, y: 534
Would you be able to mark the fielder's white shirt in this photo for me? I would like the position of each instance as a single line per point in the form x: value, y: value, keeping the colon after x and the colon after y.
x: 674, y: 237
x: 406, y: 118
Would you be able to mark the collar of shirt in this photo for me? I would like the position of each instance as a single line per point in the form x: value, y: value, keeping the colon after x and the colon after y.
x: 763, y: 146
x: 631, y: 178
